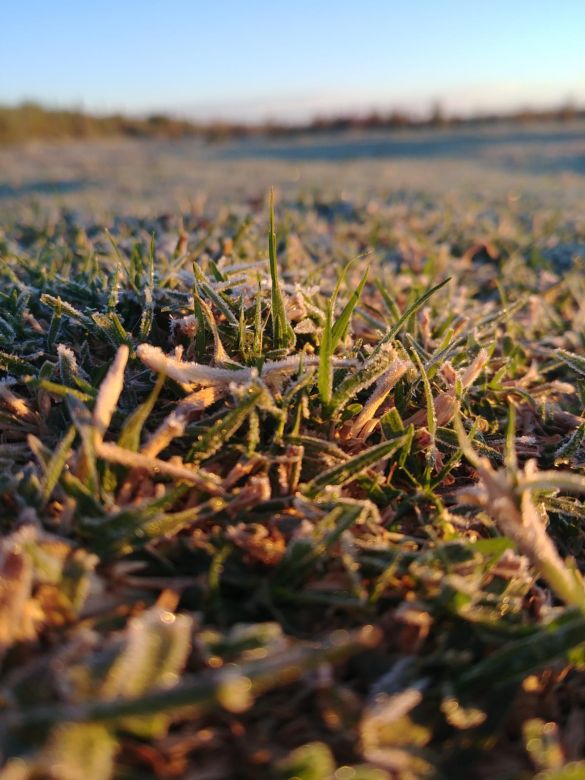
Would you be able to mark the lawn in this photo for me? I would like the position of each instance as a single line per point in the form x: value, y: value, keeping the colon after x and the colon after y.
x: 292, y: 487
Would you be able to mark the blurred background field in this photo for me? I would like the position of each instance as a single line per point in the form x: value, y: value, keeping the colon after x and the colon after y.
x: 544, y: 162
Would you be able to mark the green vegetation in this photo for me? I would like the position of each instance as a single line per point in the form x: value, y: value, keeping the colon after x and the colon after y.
x: 30, y: 121
x: 293, y: 496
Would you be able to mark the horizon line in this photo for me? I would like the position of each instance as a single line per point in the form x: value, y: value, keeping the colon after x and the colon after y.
x: 200, y: 115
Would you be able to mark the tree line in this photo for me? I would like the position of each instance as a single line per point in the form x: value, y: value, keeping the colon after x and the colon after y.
x: 31, y: 121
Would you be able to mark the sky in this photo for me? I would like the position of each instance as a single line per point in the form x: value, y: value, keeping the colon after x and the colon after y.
x: 255, y: 60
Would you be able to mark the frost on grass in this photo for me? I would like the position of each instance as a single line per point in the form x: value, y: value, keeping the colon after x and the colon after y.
x: 263, y: 514
x: 109, y: 392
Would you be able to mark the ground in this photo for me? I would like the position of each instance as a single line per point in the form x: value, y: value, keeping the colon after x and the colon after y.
x: 294, y: 494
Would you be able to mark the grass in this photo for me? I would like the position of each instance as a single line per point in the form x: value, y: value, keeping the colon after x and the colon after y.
x: 292, y: 503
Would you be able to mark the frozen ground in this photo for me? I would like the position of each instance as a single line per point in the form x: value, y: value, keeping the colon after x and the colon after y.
x: 314, y: 562
x: 545, y: 164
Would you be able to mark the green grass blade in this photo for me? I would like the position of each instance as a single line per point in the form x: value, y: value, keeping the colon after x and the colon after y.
x: 517, y: 659
x: 362, y: 378
x: 325, y: 375
x: 353, y: 467
x: 576, y: 362
x: 214, y: 296
x: 283, y: 335
x: 212, y: 440
x: 412, y: 309
x: 342, y: 323
x: 131, y: 430
x: 57, y: 464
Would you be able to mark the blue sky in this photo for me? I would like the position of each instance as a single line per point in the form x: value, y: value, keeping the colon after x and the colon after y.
x: 255, y: 59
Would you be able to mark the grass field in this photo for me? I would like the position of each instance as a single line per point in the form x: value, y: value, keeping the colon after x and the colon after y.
x: 293, y: 492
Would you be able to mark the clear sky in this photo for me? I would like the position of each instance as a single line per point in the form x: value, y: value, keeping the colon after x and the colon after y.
x: 256, y: 59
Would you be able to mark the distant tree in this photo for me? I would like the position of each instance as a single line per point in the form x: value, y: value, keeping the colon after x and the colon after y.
x: 438, y: 117
x: 568, y: 110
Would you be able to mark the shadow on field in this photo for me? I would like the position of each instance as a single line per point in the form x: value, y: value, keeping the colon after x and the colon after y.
x: 538, y: 151
x: 44, y: 187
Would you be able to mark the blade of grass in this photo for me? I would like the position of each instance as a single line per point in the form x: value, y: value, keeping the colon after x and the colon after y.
x: 325, y: 374
x: 201, y: 693
x: 283, y: 335
x: 342, y: 323
x: 352, y: 468
x: 412, y: 309
x: 131, y: 430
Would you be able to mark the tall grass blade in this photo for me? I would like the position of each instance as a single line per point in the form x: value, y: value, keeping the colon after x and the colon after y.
x: 283, y: 335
